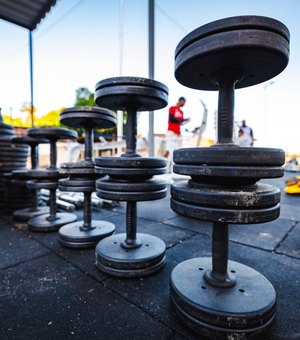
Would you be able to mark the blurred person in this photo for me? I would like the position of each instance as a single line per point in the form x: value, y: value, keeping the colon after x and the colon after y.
x: 245, y: 135
x: 173, y: 137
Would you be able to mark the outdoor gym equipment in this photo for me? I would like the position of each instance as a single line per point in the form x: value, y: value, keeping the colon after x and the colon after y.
x: 131, y: 254
x: 221, y: 298
x: 82, y: 177
x: 34, y: 209
x: 48, y: 179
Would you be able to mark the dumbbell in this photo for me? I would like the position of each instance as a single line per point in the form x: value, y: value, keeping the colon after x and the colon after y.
x: 34, y: 209
x: 82, y: 177
x: 216, y: 297
x: 48, y: 179
x: 130, y: 254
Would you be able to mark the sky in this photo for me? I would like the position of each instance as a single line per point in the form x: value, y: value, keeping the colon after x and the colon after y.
x: 79, y: 43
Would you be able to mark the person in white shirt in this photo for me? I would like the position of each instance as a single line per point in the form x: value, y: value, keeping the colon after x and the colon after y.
x: 245, y: 135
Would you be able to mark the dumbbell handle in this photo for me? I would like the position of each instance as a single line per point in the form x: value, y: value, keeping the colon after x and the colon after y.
x: 131, y: 134
x: 53, y: 154
x: 226, y: 81
x: 219, y: 276
x: 89, y: 144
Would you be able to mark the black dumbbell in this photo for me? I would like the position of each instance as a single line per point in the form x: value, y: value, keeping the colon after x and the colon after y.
x: 217, y: 297
x: 48, y: 179
x: 130, y: 254
x: 82, y: 177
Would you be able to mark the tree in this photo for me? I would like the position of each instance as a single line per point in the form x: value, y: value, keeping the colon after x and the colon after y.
x: 52, y: 118
x: 84, y: 97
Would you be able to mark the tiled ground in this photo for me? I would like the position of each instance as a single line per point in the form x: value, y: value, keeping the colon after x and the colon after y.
x: 49, y: 292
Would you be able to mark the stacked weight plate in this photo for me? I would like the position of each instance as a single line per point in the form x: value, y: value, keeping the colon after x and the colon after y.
x: 12, y: 157
x: 218, y: 298
x: 82, y: 177
x: 130, y: 179
x: 23, y: 176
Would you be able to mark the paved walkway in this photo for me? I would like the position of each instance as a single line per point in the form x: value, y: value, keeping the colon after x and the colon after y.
x: 48, y: 292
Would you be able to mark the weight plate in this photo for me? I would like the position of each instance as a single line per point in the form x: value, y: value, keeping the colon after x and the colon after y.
x: 236, y: 172
x: 124, y: 186
x: 77, y: 181
x: 255, y: 196
x: 130, y: 173
x: 13, y: 164
x: 84, y: 189
x: 255, y: 47
x: 88, y: 116
x: 79, y: 188
x: 42, y: 223
x: 90, y: 172
x: 12, y: 153
x: 5, y: 126
x: 29, y: 140
x: 6, y: 168
x: 7, y: 147
x: 5, y: 138
x: 20, y: 173
x: 82, y: 169
x: 42, y: 184
x: 236, y: 216
x: 17, y: 182
x: 52, y: 133
x: 75, y: 232
x: 78, y: 165
x: 13, y: 156
x: 131, y: 162
x: 44, y: 173
x: 7, y: 162
x: 243, y: 311
x: 28, y: 213
x: 123, y: 93
x: 232, y: 155
x: 133, y: 196
x: 116, y: 260
x: 6, y: 131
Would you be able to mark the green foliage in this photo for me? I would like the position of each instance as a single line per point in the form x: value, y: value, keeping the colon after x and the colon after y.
x: 84, y: 97
x: 49, y: 119
x: 14, y: 121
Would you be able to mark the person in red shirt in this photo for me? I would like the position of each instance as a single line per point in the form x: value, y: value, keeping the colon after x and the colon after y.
x: 173, y: 137
x: 176, y: 116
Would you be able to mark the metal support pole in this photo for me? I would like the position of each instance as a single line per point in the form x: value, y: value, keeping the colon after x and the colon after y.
x: 31, y: 77
x: 121, y: 50
x: 151, y: 74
